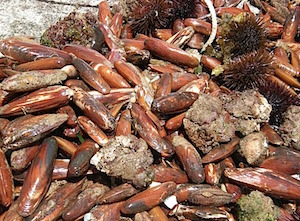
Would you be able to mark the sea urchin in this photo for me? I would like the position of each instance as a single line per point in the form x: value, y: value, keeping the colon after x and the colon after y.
x: 245, y: 33
x: 247, y: 71
x: 147, y: 15
x: 280, y: 98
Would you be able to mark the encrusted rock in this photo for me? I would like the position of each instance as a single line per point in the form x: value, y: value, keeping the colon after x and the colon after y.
x: 254, y: 148
x: 76, y: 28
x: 290, y: 128
x: 248, y: 109
x: 125, y: 157
x: 207, y: 123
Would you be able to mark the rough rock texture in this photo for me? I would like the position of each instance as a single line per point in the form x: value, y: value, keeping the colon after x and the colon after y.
x: 33, y: 17
x: 76, y: 28
x: 248, y: 110
x: 124, y: 7
x: 207, y: 123
x: 125, y: 157
x: 290, y: 128
x: 254, y: 148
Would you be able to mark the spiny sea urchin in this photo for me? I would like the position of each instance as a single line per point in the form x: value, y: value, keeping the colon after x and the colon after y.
x: 280, y: 98
x: 247, y: 71
x: 147, y: 15
x: 187, y: 8
x: 243, y: 33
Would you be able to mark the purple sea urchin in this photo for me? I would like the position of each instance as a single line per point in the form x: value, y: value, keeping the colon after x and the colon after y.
x: 247, y: 71
x: 246, y: 34
x: 147, y: 15
x: 279, y: 97
x: 240, y: 35
x: 187, y: 8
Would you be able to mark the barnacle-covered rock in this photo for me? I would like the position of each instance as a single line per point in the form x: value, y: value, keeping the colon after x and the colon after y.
x: 254, y: 148
x: 76, y: 28
x: 290, y: 128
x: 248, y: 109
x: 257, y: 206
x: 125, y: 157
x: 207, y: 123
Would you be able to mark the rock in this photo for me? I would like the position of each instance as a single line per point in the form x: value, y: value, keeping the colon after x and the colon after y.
x: 125, y: 157
x: 33, y: 17
x: 254, y: 148
x: 290, y: 128
x: 207, y: 123
x: 248, y: 109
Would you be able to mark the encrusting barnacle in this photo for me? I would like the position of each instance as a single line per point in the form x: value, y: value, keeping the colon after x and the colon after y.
x: 254, y: 148
x: 125, y: 157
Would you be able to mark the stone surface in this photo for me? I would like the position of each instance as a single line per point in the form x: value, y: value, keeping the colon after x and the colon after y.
x: 32, y: 17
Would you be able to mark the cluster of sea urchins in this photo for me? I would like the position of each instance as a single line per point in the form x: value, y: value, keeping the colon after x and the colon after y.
x: 248, y: 63
x: 242, y: 45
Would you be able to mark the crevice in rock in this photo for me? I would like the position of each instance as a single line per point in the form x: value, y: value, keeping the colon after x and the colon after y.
x: 68, y: 3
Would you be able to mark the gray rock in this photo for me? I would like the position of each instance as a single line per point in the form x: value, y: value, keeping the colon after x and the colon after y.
x: 33, y: 17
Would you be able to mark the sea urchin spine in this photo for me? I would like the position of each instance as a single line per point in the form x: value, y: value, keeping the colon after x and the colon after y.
x: 247, y: 71
x: 148, y: 15
x: 246, y: 34
x: 280, y: 98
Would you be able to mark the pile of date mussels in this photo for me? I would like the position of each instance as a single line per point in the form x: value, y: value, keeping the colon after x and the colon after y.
x: 105, y: 121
